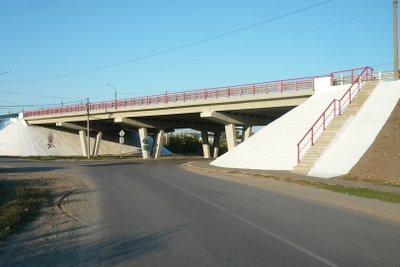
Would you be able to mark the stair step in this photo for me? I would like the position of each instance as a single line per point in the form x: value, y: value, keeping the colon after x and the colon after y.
x: 331, y: 130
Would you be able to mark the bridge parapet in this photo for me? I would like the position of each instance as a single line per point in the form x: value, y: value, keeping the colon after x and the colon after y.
x: 272, y: 87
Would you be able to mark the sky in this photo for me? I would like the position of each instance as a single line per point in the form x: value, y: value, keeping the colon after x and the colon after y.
x: 54, y: 51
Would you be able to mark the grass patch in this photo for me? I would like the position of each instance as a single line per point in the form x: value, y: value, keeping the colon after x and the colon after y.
x: 386, y: 182
x: 392, y: 197
x: 20, y: 204
x: 362, y: 192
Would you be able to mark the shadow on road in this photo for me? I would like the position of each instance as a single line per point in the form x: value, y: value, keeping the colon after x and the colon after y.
x: 109, y: 164
x: 83, y: 249
x: 28, y: 169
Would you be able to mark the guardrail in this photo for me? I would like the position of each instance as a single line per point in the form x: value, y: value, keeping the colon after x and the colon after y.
x: 335, y: 108
x: 212, y: 93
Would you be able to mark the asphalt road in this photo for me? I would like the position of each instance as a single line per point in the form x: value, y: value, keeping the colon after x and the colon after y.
x: 156, y: 213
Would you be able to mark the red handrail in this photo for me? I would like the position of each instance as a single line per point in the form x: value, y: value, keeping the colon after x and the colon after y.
x: 204, y: 94
x: 335, y: 107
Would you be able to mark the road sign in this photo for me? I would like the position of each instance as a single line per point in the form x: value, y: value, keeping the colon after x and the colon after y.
x: 121, y: 133
x: 121, y: 140
x: 50, y: 141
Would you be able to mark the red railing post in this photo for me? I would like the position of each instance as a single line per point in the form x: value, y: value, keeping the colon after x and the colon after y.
x: 254, y: 89
x: 281, y: 86
x: 324, y: 121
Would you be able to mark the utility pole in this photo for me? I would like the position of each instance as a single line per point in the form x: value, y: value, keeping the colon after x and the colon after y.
x: 395, y: 43
x: 87, y: 129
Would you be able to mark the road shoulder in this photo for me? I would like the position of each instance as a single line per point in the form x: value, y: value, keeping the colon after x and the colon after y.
x: 259, y: 179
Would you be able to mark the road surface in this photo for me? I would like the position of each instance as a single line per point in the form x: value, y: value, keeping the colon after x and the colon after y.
x: 156, y: 213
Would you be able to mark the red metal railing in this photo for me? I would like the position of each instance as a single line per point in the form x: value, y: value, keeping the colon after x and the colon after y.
x: 335, y: 107
x: 212, y: 93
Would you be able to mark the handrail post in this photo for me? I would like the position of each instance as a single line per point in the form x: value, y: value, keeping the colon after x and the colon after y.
x: 313, y: 83
x: 281, y: 86
x: 334, y: 108
x: 324, y: 121
x: 312, y: 136
x: 349, y: 96
x: 352, y: 76
x: 298, y: 153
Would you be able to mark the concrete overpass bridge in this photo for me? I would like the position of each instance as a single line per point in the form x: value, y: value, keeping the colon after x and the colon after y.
x: 213, y: 110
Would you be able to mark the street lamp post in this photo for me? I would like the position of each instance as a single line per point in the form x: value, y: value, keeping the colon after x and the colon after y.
x: 115, y: 93
x: 395, y: 43
x: 88, y: 127
x: 61, y: 100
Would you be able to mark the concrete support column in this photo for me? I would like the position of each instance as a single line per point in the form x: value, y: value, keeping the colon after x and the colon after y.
x: 158, y: 142
x: 246, y: 132
x: 230, y: 131
x: 217, y: 138
x: 84, y: 145
x: 97, y: 144
x: 144, y: 143
x: 206, y: 145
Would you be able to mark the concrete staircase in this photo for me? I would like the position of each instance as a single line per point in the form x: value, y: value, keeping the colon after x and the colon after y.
x: 315, y: 152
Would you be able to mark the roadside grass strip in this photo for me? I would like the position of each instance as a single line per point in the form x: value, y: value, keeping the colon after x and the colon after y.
x: 391, y: 197
x: 20, y: 203
x: 362, y: 192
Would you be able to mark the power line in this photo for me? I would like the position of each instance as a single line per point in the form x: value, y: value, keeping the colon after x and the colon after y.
x: 167, y: 51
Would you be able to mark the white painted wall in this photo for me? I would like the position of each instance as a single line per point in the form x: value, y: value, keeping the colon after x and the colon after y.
x: 274, y: 147
x: 19, y: 139
x: 321, y: 83
x: 358, y: 133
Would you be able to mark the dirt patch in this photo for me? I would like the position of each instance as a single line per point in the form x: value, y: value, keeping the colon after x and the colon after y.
x: 65, y: 219
x: 381, y: 162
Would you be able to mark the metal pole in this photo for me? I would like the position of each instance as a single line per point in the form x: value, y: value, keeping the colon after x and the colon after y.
x: 115, y: 93
x: 87, y: 129
x: 395, y: 43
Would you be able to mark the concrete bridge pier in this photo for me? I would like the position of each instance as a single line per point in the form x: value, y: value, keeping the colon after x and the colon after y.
x: 246, y: 132
x: 231, y: 138
x: 97, y: 142
x: 158, y: 143
x: 84, y: 144
x: 144, y: 143
x: 206, y: 144
x: 217, y: 138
